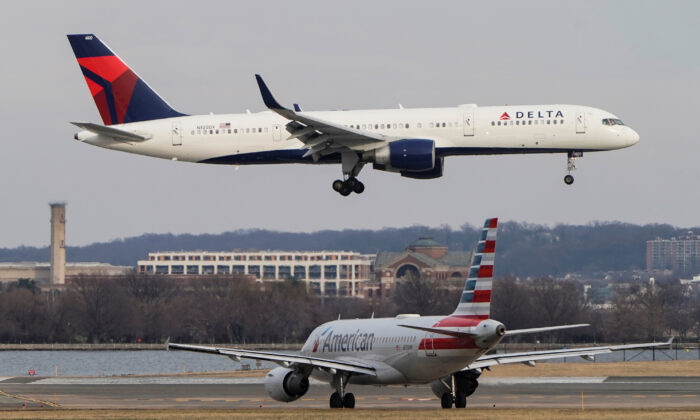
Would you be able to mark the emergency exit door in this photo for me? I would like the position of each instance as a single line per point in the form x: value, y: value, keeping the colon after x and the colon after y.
x: 176, y: 133
x: 468, y: 124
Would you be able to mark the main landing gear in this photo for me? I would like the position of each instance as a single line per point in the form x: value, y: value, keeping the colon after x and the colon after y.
x: 350, y: 161
x: 454, y: 389
x: 348, y: 186
x: 571, y: 165
x: 341, y: 399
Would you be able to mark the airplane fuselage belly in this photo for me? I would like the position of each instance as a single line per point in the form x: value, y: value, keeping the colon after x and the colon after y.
x: 261, y: 138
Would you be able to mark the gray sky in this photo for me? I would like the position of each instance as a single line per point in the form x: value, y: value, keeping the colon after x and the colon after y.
x: 638, y: 60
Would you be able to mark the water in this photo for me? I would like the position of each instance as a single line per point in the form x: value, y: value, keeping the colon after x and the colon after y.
x: 111, y: 363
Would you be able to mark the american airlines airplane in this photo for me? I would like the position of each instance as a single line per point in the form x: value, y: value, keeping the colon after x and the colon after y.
x: 412, y: 142
x: 448, y: 352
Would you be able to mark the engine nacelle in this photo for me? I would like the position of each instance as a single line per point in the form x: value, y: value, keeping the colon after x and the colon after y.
x: 286, y: 385
x: 436, y: 172
x: 410, y: 155
x: 465, y: 381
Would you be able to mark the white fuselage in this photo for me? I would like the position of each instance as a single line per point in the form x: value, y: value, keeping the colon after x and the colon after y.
x: 260, y: 138
x: 399, y: 354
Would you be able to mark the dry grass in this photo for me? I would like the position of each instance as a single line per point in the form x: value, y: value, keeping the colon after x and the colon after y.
x: 476, y: 414
x: 662, y: 368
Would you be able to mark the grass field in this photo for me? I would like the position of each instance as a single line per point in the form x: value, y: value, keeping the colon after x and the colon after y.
x: 471, y: 414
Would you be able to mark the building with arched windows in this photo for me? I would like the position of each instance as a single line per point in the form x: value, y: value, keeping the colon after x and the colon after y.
x: 425, y: 258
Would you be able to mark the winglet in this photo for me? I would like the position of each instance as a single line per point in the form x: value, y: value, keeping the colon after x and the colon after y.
x: 167, y: 344
x: 269, y: 100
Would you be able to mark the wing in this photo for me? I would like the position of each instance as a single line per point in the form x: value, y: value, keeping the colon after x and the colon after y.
x: 280, y: 358
x: 321, y: 137
x: 542, y: 329
x: 115, y: 133
x: 531, y: 357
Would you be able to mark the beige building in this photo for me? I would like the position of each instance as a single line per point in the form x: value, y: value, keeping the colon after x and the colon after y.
x: 41, y: 272
x: 328, y: 273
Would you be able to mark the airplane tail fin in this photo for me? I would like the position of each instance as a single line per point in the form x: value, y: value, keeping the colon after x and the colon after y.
x: 121, y: 96
x: 476, y: 297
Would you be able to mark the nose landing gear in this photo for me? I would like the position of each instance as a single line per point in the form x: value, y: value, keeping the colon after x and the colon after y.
x: 571, y: 165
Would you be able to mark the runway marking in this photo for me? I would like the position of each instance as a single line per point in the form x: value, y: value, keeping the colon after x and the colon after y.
x: 512, y: 397
x: 537, y: 397
x: 563, y: 397
x: 417, y: 399
x: 664, y: 396
x: 689, y: 395
x: 638, y: 396
x: 21, y: 397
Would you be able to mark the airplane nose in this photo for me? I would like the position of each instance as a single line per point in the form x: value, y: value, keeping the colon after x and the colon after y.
x: 632, y: 137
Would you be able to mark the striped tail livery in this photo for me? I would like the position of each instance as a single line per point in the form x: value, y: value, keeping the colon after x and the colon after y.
x: 121, y: 96
x: 476, y: 297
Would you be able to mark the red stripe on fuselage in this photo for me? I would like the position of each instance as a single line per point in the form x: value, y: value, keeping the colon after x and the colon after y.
x: 493, y: 223
x: 447, y: 344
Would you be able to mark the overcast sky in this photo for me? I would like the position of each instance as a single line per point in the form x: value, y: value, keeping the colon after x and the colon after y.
x: 638, y: 60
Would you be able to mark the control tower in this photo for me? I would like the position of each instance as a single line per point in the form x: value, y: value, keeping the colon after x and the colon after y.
x: 58, y: 243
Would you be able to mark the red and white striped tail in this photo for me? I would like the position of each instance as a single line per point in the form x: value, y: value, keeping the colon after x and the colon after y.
x: 476, y: 297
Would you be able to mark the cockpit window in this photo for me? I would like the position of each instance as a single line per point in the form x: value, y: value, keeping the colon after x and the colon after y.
x: 612, y: 121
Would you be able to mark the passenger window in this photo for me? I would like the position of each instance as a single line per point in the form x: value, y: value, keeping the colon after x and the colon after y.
x: 561, y: 121
x: 547, y: 122
x: 382, y: 126
x: 199, y: 131
x: 499, y: 123
x: 229, y: 131
x: 235, y: 131
x: 443, y: 125
x: 493, y: 123
x: 420, y: 125
x: 554, y: 121
x: 393, y: 125
x: 407, y: 125
x: 211, y: 131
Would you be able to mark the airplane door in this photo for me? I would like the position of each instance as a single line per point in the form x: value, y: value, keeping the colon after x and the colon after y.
x: 429, y: 348
x: 580, y: 122
x: 176, y: 133
x: 468, y: 124
x: 276, y: 132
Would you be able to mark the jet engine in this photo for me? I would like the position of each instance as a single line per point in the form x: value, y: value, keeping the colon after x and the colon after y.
x: 286, y: 385
x: 407, y: 155
x: 465, y: 382
x: 436, y: 172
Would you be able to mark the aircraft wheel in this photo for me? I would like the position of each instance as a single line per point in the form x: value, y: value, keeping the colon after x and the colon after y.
x: 569, y: 179
x: 345, y: 190
x: 460, y: 400
x: 336, y: 401
x: 359, y: 187
x: 446, y: 400
x: 349, y: 400
x: 337, y: 185
x: 352, y: 181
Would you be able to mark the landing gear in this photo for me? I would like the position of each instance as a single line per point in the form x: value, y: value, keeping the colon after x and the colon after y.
x: 349, y: 400
x: 351, y: 169
x: 454, y: 389
x: 460, y: 400
x: 349, y: 186
x: 340, y: 398
x: 446, y: 400
x: 571, y: 165
x: 336, y: 400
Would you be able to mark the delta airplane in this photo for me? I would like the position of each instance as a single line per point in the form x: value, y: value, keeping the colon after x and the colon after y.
x: 448, y: 352
x: 412, y: 142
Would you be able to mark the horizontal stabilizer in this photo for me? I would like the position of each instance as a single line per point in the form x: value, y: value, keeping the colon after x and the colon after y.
x: 543, y: 329
x: 451, y: 333
x: 115, y: 133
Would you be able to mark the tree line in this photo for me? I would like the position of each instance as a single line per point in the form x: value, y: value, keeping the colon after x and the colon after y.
x: 526, y: 249
x: 225, y: 309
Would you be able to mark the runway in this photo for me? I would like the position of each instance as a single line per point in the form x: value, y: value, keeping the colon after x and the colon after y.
x: 158, y: 393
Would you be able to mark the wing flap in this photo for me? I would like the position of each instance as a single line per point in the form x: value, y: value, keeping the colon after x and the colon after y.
x: 352, y: 367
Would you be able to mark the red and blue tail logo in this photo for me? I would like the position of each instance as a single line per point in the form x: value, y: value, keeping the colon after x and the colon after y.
x: 120, y: 95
